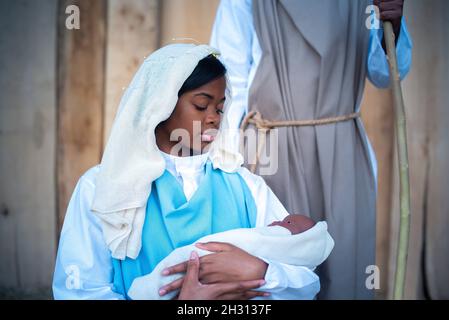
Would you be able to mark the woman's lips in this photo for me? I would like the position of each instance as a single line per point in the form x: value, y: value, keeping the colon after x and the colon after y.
x: 207, y: 137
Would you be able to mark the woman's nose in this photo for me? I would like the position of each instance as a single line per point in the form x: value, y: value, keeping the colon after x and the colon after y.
x: 213, y: 117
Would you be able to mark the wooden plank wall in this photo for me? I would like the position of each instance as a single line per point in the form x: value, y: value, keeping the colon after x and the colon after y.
x: 27, y: 143
x: 187, y: 19
x: 132, y: 35
x: 377, y: 116
x: 81, y: 73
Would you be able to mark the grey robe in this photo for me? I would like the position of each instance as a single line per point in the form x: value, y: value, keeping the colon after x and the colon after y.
x: 314, y: 66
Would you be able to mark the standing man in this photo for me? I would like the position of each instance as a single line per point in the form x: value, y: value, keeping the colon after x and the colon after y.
x: 308, y: 60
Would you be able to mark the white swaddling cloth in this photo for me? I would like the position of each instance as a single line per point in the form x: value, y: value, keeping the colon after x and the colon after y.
x: 275, y: 243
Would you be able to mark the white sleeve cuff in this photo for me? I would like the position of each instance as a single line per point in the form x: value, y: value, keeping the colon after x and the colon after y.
x: 280, y: 276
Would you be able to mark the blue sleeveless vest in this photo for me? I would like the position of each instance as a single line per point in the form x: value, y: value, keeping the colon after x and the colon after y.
x: 221, y: 202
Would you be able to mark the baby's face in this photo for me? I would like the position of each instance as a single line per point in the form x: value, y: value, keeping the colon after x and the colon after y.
x: 296, y: 223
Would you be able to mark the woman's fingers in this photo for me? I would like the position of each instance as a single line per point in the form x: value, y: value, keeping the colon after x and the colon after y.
x: 214, y: 246
x: 172, y: 286
x: 193, y: 267
x: 190, y: 279
x: 177, y: 268
x: 211, y: 278
x: 239, y: 286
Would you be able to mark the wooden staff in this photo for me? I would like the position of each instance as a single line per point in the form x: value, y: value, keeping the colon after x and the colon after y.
x: 404, y: 191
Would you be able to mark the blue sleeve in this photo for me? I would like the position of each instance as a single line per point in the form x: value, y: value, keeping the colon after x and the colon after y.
x: 377, y: 64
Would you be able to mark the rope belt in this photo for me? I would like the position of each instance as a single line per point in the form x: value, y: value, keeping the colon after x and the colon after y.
x: 264, y: 126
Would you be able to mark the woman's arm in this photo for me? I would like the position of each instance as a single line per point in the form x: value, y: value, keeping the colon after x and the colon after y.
x: 83, y: 265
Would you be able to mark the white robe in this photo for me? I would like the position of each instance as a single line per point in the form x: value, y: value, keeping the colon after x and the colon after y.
x: 84, y: 264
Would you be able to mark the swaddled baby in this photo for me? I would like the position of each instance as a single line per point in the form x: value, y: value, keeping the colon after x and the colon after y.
x: 296, y: 240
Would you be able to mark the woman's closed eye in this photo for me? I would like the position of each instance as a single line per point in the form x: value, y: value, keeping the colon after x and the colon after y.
x: 201, y: 108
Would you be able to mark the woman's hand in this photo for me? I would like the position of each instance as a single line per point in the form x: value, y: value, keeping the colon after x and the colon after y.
x: 193, y: 289
x: 227, y: 264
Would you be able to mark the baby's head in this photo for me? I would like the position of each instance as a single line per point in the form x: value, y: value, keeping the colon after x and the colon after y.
x: 296, y: 223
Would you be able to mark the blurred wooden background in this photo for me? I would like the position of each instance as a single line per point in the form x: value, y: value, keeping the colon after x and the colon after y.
x: 59, y: 90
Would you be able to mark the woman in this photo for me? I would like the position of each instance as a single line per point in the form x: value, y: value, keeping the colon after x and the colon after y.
x: 167, y: 179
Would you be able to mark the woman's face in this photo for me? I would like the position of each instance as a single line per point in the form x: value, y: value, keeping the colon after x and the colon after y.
x: 195, y: 120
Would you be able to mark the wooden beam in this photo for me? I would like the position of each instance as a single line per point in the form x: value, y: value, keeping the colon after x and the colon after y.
x: 377, y: 110
x: 187, y: 19
x: 81, y: 69
x: 426, y: 101
x: 133, y: 34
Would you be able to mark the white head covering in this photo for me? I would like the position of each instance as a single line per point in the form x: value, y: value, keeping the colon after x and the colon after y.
x: 132, y: 160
